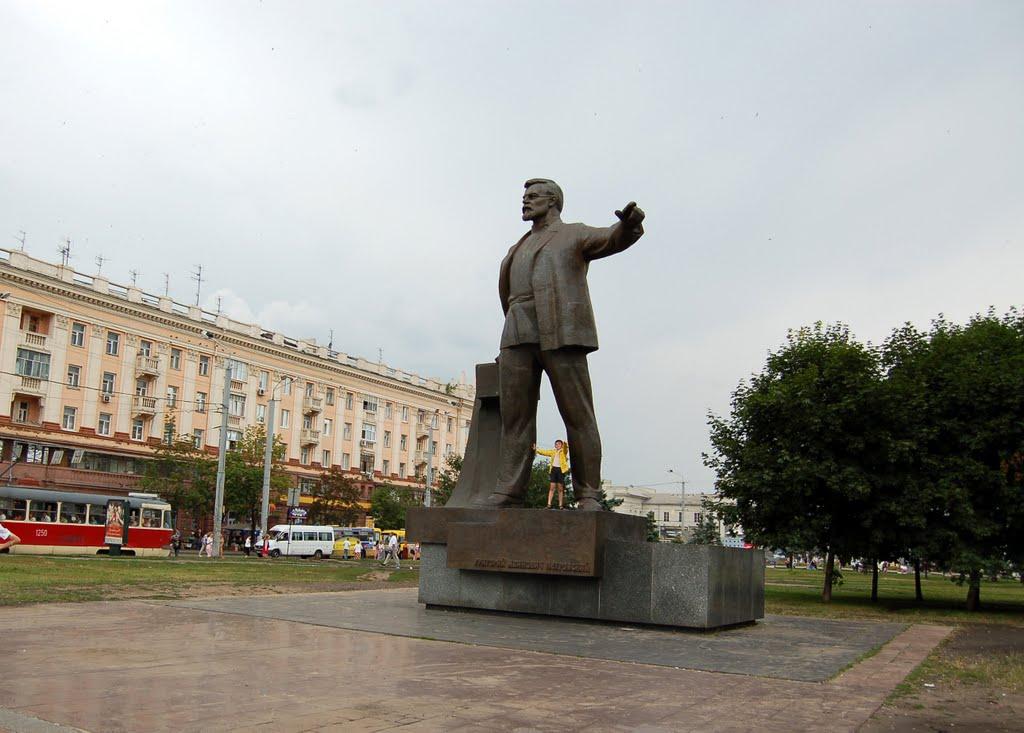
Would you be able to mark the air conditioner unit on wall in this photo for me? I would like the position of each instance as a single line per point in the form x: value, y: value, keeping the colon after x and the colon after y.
x: 105, y: 397
x: 261, y: 391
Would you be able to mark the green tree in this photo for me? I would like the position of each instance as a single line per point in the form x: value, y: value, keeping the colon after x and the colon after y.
x: 653, y: 535
x: 183, y: 475
x: 967, y: 428
x: 335, y: 500
x: 799, y: 450
x: 706, y: 532
x: 388, y: 506
x: 243, y: 474
x: 447, y: 478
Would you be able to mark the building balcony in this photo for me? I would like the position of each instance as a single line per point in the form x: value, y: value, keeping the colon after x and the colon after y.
x: 422, y: 430
x: 312, y: 405
x: 309, y: 437
x: 234, y: 421
x: 238, y: 385
x: 421, y: 457
x: 34, y: 340
x: 143, y: 405
x: 147, y: 366
x: 27, y: 422
x: 367, y: 444
x: 30, y: 386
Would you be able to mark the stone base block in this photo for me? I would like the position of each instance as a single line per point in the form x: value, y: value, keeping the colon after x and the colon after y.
x: 688, y: 586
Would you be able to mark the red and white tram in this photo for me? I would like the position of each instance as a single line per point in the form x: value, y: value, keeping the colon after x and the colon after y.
x: 72, y: 523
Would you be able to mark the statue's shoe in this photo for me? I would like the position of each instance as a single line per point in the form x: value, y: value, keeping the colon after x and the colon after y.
x: 588, y: 504
x: 497, y: 500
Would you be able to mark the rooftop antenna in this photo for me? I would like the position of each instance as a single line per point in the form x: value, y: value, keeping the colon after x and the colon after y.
x: 198, y: 277
x: 167, y: 285
x: 100, y: 259
x: 135, y: 277
x: 21, y: 238
x: 65, y: 251
x: 218, y: 305
x: 380, y: 355
x: 330, y: 341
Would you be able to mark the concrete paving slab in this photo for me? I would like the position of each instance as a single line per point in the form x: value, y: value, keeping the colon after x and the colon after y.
x: 141, y: 666
x: 785, y: 647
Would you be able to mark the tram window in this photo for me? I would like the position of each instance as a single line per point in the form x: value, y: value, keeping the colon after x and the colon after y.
x: 72, y: 513
x: 134, y: 522
x: 150, y: 517
x: 97, y: 514
x: 12, y: 509
x: 43, y: 511
x: 167, y: 520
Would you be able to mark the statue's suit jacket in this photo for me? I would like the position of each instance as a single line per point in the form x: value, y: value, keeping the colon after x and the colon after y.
x: 565, y: 316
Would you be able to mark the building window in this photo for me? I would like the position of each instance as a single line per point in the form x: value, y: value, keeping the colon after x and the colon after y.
x: 141, y: 387
x: 200, y: 401
x: 328, y: 423
x: 447, y: 449
x: 113, y: 342
x: 329, y: 396
x: 22, y: 415
x: 204, y: 366
x: 307, y: 422
x: 401, y: 470
x: 680, y: 517
x: 696, y: 518
x: 234, y: 436
x: 261, y: 413
x: 366, y: 463
x: 310, y: 387
x: 138, y: 429
x: 145, y: 348
x: 74, y: 375
x: 433, y: 420
x: 369, y: 404
x: 387, y: 440
x: 172, y: 396
x: 236, y: 405
x: 239, y: 370
x: 78, y: 334
x: 346, y: 433
x: 387, y: 410
x: 304, y: 456
x: 369, y: 431
x: 70, y: 418
x: 348, y: 401
x: 285, y: 418
x: 387, y: 468
x: 345, y: 460
x: 264, y: 381
x: 103, y: 424
x: 451, y: 423
x: 403, y: 442
x: 175, y: 358
x: 433, y: 448
x: 197, y: 438
x: 33, y: 364
x: 325, y: 458
x: 287, y: 388
x: 405, y: 413
x: 665, y: 517
x: 107, y: 385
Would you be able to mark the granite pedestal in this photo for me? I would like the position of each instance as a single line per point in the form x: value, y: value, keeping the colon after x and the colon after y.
x: 596, y: 566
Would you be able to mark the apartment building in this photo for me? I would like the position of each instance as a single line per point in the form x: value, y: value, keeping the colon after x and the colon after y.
x: 93, y: 375
x: 676, y: 514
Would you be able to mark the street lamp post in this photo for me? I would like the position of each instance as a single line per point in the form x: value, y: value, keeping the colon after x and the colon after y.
x: 268, y: 458
x: 430, y: 460
x: 218, y: 497
x: 682, y: 500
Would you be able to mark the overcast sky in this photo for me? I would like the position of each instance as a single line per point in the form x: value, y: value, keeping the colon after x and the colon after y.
x: 359, y: 166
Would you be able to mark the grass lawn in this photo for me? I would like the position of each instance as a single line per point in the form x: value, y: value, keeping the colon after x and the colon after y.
x: 798, y: 592
x: 36, y: 579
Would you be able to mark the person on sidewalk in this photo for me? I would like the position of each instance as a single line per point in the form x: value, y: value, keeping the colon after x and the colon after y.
x: 346, y: 547
x: 392, y: 552
x: 247, y: 547
x: 559, y: 470
x: 7, y: 538
x: 176, y: 542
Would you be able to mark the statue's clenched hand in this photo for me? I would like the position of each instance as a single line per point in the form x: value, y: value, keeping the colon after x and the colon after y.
x: 631, y: 215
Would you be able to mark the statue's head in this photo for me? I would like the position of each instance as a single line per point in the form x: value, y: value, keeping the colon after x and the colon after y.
x: 541, y: 196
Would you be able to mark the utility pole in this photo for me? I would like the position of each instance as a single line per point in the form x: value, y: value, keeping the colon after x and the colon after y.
x: 682, y: 501
x: 430, y: 460
x: 218, y: 499
x: 268, y: 456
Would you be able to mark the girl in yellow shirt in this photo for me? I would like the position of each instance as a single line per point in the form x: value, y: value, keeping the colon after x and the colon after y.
x: 559, y: 469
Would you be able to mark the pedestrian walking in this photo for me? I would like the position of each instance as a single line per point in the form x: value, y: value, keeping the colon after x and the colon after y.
x: 357, y: 551
x: 176, y: 542
x: 8, y: 538
x: 207, y: 546
x: 346, y: 547
x: 392, y: 552
x: 247, y: 546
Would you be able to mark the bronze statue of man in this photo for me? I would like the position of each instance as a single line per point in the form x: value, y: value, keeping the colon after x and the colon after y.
x: 549, y: 327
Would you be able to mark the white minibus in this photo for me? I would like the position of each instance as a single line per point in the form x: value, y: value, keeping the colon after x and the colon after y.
x: 302, y: 540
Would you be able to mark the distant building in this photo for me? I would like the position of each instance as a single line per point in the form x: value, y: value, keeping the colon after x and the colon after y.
x: 675, y: 515
x: 94, y: 375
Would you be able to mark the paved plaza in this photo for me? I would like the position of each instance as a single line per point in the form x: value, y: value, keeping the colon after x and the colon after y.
x: 377, y: 660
